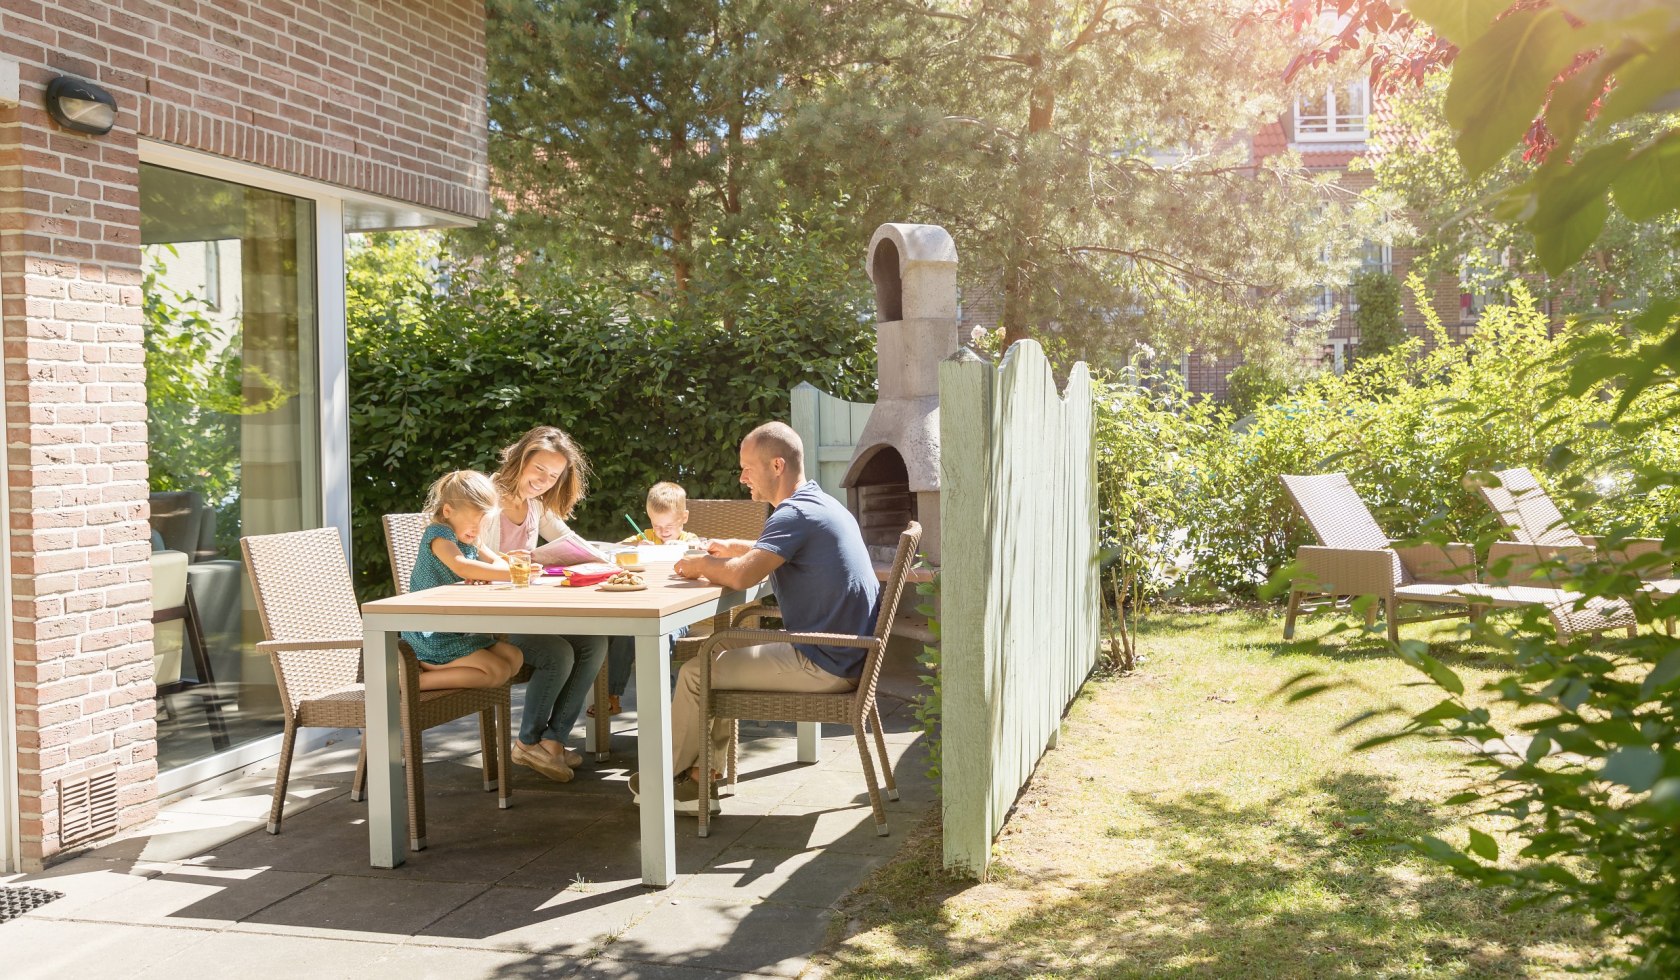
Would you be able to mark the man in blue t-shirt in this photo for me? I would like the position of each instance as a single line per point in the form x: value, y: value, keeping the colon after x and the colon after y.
x: 815, y: 558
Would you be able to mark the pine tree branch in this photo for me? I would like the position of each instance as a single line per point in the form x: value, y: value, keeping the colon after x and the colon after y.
x: 1089, y: 31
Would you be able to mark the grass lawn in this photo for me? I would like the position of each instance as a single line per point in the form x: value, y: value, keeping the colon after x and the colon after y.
x: 1191, y: 823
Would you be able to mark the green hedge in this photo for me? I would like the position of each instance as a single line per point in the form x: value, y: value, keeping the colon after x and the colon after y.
x: 1407, y: 427
x: 443, y: 381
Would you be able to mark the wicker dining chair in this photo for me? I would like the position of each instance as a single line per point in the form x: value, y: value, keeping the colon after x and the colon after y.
x: 856, y: 708
x: 402, y: 544
x: 312, y: 632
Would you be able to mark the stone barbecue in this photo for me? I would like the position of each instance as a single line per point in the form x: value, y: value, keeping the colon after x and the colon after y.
x: 893, y: 477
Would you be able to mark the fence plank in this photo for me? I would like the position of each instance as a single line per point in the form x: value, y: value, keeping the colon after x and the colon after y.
x: 1019, y: 589
x: 829, y: 427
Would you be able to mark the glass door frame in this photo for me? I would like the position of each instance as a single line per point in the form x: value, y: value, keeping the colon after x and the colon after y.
x: 338, y: 211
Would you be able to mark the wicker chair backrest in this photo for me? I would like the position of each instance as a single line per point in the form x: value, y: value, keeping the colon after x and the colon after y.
x: 402, y: 545
x: 1524, y: 507
x: 742, y: 519
x: 1335, y: 511
x: 302, y: 585
x: 892, y: 590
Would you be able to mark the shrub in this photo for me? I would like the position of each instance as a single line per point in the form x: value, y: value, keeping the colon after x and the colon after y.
x: 1251, y: 385
x: 1378, y: 316
x: 459, y: 375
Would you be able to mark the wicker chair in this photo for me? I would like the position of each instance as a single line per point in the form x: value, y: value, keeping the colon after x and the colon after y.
x: 855, y: 708
x: 1543, y: 533
x: 1357, y: 559
x: 736, y: 519
x: 313, y: 636
x: 402, y: 547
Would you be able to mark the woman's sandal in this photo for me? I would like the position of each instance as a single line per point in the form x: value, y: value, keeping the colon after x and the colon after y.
x: 535, y: 758
x: 613, y: 706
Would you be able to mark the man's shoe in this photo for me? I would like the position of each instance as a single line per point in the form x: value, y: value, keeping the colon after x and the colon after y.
x: 687, y: 794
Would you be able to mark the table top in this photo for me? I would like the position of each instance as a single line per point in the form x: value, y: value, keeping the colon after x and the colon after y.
x: 665, y: 594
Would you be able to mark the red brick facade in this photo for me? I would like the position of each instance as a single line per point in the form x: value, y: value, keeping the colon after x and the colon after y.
x: 385, y: 98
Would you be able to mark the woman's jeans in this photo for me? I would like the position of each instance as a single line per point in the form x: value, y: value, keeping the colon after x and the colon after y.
x: 621, y: 657
x: 563, y: 672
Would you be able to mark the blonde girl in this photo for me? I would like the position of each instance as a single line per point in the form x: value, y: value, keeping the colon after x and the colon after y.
x: 458, y: 504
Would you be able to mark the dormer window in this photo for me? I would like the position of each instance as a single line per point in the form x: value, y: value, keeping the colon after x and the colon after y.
x: 1335, y: 114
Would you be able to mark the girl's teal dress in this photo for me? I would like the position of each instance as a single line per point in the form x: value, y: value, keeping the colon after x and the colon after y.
x: 441, y: 648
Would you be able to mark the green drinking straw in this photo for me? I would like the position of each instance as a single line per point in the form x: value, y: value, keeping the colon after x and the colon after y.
x: 632, y: 521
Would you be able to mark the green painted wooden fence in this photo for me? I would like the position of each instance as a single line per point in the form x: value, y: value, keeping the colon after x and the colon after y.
x: 830, y: 428
x: 1018, y: 583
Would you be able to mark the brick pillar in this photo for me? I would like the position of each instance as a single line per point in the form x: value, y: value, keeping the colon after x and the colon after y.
x: 75, y: 425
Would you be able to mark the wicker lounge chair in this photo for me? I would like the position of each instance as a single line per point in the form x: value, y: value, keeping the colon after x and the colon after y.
x: 1543, y: 534
x: 855, y: 708
x: 1355, y: 558
x: 313, y: 636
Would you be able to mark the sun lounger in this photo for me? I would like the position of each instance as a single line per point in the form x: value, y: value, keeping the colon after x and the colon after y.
x: 1356, y: 558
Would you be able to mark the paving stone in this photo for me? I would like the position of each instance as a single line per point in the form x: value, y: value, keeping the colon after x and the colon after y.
x: 608, y: 853
x: 46, y: 949
x: 847, y: 829
x: 811, y: 878
x: 577, y: 920
x: 84, y: 881
x: 177, y: 836
x: 741, y: 937
x: 380, y: 907
x: 300, y: 956
x: 200, y: 897
x: 606, y: 969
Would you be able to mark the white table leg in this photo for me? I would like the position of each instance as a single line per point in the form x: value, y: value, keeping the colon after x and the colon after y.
x: 387, y: 793
x: 810, y: 741
x: 653, y: 751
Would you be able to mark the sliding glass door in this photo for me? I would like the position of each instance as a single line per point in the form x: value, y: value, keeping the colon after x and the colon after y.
x: 231, y: 332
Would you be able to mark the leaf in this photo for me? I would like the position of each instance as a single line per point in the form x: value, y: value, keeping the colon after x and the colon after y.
x: 1483, y: 846
x: 1440, y: 673
x: 1640, y: 83
x: 1459, y: 21
x: 1500, y: 80
x: 1649, y: 184
x: 1571, y: 99
x: 1561, y: 244
x: 1662, y: 677
x: 1633, y: 766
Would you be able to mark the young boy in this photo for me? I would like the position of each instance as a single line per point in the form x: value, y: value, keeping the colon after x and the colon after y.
x: 667, y: 512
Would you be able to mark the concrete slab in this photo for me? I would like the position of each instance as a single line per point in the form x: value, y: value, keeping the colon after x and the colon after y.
x: 45, y: 949
x: 578, y: 921
x: 811, y: 878
x: 84, y: 881
x: 380, y: 907
x: 199, y: 897
x: 849, y: 830
x: 293, y: 956
x: 739, y: 937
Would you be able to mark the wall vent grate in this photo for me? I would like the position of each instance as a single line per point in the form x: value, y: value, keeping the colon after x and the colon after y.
x: 87, y: 806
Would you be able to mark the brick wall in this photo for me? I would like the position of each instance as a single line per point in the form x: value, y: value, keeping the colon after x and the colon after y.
x: 381, y: 97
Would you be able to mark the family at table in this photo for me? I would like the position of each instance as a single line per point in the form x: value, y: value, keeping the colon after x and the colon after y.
x: 810, y: 549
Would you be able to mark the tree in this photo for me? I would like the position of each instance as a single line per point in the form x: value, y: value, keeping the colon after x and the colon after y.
x: 629, y: 142
x: 1094, y: 166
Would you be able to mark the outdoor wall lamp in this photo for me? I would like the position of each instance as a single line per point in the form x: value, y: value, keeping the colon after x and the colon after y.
x: 81, y: 106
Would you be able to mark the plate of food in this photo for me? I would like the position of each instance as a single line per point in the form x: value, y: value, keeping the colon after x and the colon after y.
x: 623, y: 582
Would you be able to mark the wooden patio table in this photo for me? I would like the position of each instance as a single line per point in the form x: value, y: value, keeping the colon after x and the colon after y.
x: 666, y: 605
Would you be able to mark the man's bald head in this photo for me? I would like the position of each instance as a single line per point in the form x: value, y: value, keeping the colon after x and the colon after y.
x: 777, y: 440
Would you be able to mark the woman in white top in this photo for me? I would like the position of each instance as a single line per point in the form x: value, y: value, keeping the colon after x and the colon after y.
x: 539, y: 482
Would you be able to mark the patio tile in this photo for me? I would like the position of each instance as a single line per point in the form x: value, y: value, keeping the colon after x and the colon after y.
x: 379, y: 907
x: 817, y: 878
x: 608, y: 853
x: 741, y: 937
x: 206, y: 898
x: 44, y: 949
x: 606, y: 969
x: 296, y: 956
x: 574, y: 920
x: 176, y: 836
x: 850, y: 830
x: 84, y: 881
